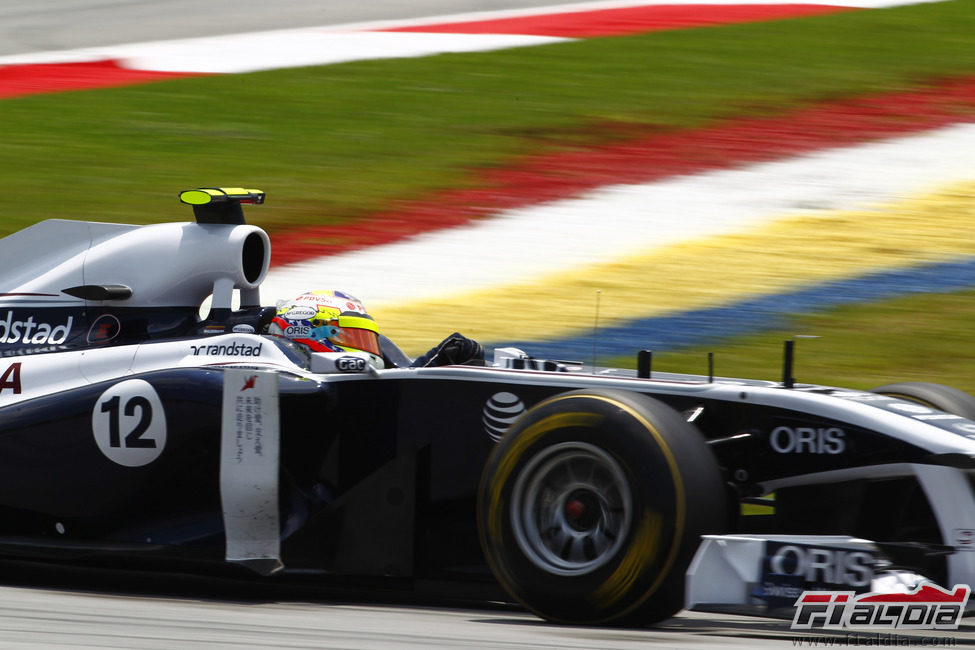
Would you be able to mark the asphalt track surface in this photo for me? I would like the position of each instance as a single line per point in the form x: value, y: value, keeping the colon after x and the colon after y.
x: 38, y: 611
x: 41, y: 619
x: 137, y: 613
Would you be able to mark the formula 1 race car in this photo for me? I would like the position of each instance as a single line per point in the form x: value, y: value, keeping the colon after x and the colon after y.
x: 135, y: 431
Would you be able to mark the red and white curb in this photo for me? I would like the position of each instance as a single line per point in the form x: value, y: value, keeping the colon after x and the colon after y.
x: 469, y: 32
x: 617, y: 221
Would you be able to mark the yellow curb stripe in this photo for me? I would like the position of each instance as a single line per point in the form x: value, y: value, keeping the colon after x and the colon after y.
x: 782, y: 256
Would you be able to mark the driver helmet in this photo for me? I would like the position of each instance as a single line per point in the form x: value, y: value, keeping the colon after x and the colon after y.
x: 328, y: 321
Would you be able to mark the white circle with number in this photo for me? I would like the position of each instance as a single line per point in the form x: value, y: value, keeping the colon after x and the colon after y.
x: 129, y: 424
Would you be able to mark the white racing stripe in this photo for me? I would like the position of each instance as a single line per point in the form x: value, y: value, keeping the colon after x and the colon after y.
x: 282, y: 49
x: 306, y: 48
x: 612, y: 222
x: 330, y: 44
x: 575, y: 7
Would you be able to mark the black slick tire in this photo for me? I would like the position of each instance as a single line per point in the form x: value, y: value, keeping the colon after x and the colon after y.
x: 937, y: 396
x: 592, y: 505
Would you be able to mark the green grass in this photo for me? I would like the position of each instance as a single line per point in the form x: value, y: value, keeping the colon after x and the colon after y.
x: 921, y: 338
x: 333, y: 143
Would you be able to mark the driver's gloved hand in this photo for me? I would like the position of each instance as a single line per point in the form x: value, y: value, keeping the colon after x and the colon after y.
x: 453, y: 350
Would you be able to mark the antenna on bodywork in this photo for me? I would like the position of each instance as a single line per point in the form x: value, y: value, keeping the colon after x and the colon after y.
x: 788, y: 359
x: 788, y: 381
x: 644, y: 363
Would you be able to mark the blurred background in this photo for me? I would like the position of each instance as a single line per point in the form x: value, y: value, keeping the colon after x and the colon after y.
x: 573, y: 180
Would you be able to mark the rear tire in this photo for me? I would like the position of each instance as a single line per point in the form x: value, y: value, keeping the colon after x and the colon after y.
x: 936, y: 396
x: 592, y: 505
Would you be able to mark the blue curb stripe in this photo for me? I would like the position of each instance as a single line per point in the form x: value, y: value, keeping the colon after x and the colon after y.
x: 761, y: 314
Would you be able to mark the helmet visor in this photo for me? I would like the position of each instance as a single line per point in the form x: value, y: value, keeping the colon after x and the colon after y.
x: 355, y: 331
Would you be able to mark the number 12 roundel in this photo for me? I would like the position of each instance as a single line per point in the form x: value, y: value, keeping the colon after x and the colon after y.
x: 129, y: 424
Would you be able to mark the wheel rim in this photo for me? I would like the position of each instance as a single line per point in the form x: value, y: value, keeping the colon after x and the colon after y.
x: 571, y: 508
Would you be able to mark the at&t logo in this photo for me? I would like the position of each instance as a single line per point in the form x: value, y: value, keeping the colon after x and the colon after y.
x: 500, y: 411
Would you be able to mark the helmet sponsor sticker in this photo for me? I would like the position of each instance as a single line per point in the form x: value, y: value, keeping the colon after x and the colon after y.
x: 329, y: 300
x: 297, y: 331
x: 129, y: 424
x: 300, y: 312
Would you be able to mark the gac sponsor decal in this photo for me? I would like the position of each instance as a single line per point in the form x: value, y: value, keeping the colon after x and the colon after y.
x: 499, y: 412
x: 808, y: 440
x: 234, y: 349
x: 350, y: 364
x: 926, y: 607
x: 10, y: 379
x: 129, y: 424
x: 33, y: 332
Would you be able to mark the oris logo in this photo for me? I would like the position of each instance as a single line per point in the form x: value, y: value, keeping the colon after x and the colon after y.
x: 350, y: 364
x: 808, y: 440
x: 823, y: 565
x: 297, y: 331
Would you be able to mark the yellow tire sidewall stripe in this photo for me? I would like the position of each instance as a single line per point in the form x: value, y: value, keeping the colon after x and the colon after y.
x: 644, y: 547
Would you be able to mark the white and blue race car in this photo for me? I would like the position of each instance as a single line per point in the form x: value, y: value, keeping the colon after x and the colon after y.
x: 136, y: 431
